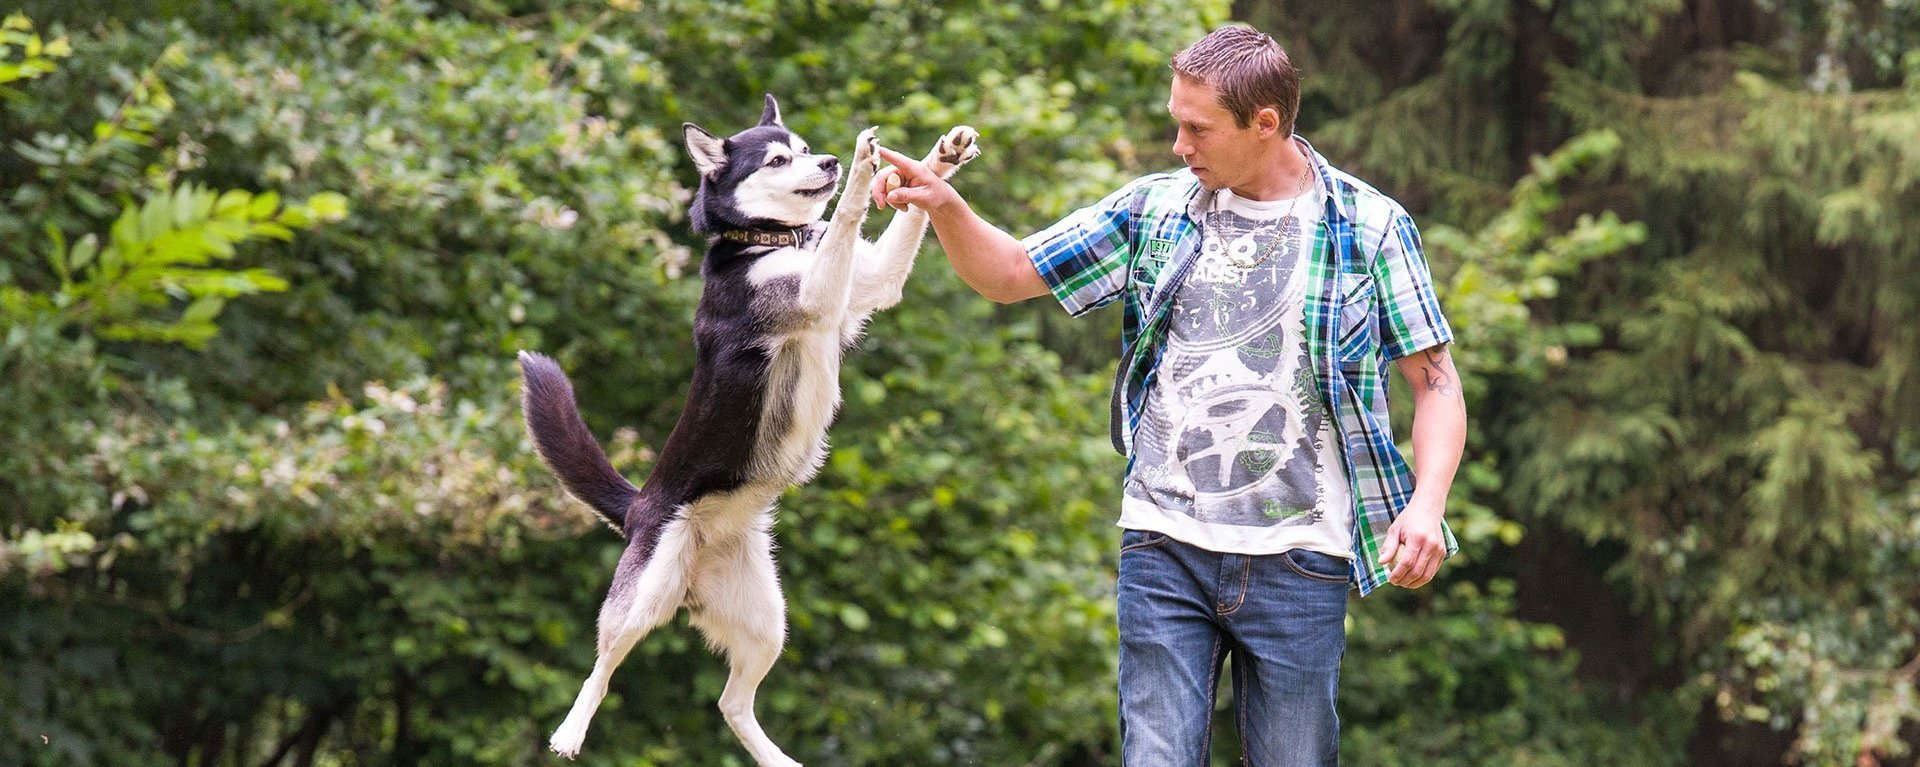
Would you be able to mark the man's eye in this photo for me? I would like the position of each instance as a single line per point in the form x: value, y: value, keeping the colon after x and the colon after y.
x: 776, y: 162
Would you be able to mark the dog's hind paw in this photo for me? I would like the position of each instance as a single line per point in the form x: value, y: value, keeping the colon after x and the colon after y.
x: 566, y: 743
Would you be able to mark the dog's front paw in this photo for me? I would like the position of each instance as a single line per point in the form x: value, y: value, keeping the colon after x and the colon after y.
x: 958, y: 146
x: 866, y: 154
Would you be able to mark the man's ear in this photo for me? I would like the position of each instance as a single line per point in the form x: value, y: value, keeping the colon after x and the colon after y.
x: 771, y: 114
x: 709, y: 151
x: 1267, y: 119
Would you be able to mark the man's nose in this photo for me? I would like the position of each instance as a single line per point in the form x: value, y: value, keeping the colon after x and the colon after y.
x: 829, y: 162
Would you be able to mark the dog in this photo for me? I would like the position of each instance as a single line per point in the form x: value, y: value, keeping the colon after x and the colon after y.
x: 784, y: 296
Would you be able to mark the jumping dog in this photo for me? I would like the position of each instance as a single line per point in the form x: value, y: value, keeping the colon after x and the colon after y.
x: 784, y: 295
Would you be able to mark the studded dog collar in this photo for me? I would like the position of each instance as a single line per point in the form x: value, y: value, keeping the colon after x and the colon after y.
x: 774, y: 239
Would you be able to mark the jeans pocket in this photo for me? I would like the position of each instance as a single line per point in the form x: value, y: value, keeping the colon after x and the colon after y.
x: 1317, y: 566
x: 1134, y: 540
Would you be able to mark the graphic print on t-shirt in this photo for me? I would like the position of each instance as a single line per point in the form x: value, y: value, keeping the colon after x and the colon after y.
x: 1234, y: 432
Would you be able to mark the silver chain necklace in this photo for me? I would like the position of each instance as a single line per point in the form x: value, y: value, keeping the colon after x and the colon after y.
x: 1285, y: 223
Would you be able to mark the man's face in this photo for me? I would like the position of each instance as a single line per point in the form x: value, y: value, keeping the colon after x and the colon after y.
x: 1220, y: 152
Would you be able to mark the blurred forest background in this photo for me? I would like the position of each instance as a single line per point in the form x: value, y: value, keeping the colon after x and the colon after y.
x: 265, y: 498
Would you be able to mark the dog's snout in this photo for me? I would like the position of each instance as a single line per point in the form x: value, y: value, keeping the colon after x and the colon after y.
x: 829, y: 162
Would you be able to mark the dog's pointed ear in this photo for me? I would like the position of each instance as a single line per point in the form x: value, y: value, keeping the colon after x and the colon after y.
x: 771, y: 115
x: 709, y: 151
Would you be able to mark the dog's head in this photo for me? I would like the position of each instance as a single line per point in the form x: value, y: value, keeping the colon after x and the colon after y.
x: 762, y: 177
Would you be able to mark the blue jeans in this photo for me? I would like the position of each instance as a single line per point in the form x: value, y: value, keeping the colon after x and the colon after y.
x: 1184, y: 609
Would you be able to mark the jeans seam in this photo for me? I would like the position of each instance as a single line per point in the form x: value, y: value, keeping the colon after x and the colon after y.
x: 1288, y: 559
x: 1213, y: 691
x: 1246, y: 566
x: 1240, y: 707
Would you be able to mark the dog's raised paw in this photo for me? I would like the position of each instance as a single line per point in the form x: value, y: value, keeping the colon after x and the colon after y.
x: 959, y: 145
x: 866, y: 149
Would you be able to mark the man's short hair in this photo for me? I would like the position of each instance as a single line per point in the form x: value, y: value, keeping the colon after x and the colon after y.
x: 1248, y: 69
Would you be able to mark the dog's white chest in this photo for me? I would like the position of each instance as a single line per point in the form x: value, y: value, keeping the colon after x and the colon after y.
x: 803, y: 377
x: 803, y: 392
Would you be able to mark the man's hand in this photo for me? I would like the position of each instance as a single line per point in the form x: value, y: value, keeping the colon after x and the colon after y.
x: 1415, y: 545
x: 919, y: 185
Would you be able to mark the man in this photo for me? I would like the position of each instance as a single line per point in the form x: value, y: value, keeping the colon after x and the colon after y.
x: 1264, y: 291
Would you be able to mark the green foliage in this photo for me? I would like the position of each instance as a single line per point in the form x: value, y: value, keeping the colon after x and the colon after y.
x: 268, y: 499
x: 159, y: 254
x: 1746, y: 430
x: 1454, y: 678
x: 36, y: 56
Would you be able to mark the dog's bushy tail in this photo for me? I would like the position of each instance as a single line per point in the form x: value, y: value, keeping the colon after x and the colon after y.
x: 565, y: 445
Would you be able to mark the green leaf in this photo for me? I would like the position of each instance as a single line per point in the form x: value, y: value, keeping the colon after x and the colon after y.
x: 203, y: 310
x: 263, y: 205
x: 232, y: 201
x: 57, y: 254
x: 329, y: 206
x: 83, y: 252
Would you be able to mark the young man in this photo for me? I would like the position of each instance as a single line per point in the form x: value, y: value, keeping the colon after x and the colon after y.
x: 1264, y: 291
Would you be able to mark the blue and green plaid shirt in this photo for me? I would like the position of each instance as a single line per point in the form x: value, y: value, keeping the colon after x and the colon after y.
x: 1364, y: 306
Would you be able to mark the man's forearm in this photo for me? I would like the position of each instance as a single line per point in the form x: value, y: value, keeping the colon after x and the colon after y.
x: 1439, y: 439
x: 1439, y: 425
x: 988, y: 259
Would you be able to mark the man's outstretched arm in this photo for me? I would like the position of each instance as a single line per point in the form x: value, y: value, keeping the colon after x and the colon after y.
x: 989, y: 260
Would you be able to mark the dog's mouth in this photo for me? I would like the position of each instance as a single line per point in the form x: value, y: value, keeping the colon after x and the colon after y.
x: 823, y: 189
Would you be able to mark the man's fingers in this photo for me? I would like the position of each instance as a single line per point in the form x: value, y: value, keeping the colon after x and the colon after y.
x: 1393, y: 545
x: 879, y: 186
x: 1411, y: 568
x: 1419, y: 562
x: 910, y: 195
x: 914, y: 180
x: 1402, y: 569
x: 1432, y: 567
x: 911, y: 170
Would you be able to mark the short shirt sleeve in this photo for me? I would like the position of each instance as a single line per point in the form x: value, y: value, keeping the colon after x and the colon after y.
x: 1084, y: 257
x: 1410, y: 318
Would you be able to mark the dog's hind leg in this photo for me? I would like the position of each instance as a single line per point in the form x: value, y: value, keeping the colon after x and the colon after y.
x: 646, y: 592
x: 737, y: 604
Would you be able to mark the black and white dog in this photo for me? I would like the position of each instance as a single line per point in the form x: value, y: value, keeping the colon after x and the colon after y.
x: 784, y: 295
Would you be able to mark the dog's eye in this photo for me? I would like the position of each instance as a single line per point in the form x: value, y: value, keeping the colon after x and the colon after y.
x: 777, y: 162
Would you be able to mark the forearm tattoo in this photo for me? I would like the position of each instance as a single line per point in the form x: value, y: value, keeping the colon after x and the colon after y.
x: 1439, y: 372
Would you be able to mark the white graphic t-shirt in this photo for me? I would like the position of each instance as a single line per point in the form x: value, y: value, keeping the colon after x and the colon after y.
x: 1235, y: 452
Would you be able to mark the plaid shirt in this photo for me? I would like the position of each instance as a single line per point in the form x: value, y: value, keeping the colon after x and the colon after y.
x: 1363, y: 307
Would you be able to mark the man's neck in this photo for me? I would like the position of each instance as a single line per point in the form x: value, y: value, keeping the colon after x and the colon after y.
x: 1285, y: 176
